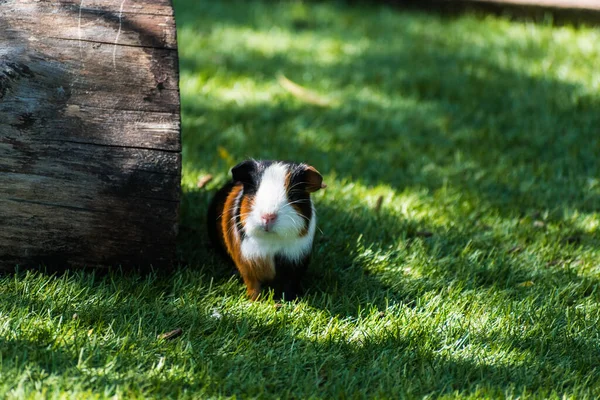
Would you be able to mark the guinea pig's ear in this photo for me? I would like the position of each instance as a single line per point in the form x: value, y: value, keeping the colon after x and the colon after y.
x: 314, y: 180
x: 243, y: 171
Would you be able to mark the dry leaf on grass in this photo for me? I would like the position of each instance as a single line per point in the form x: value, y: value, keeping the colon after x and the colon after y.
x: 203, y: 180
x: 171, y: 335
x: 526, y: 284
x: 302, y: 93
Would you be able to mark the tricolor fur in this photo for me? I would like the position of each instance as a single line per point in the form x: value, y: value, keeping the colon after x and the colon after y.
x: 265, y: 221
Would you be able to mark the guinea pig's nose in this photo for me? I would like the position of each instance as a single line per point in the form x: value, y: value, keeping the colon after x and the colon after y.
x: 268, y: 220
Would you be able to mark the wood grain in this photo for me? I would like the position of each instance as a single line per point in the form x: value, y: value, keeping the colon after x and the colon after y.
x: 90, y: 147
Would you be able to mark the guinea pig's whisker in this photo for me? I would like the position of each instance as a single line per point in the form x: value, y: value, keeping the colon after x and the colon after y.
x: 293, y: 221
x: 234, y: 223
x: 232, y: 220
x: 242, y: 215
x: 304, y: 216
x: 230, y: 229
x: 289, y: 203
x: 295, y: 184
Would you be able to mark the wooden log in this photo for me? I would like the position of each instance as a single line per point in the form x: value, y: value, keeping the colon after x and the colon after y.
x: 90, y: 146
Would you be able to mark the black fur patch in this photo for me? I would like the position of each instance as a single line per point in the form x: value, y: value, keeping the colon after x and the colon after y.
x: 249, y: 173
x: 297, y: 193
x: 288, y: 277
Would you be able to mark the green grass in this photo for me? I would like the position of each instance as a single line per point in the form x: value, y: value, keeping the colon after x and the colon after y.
x: 478, y: 277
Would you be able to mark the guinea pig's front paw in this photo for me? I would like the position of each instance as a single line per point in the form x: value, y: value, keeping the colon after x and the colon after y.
x: 253, y: 292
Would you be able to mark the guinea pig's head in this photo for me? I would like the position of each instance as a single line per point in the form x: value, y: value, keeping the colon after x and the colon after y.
x: 276, y: 197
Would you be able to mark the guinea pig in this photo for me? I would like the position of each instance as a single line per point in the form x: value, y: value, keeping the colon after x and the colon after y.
x: 265, y: 222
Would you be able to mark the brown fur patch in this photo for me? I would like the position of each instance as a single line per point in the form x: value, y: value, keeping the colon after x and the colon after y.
x: 254, y: 272
x: 246, y: 208
x: 314, y: 180
x: 227, y: 224
x: 288, y: 180
x: 263, y: 269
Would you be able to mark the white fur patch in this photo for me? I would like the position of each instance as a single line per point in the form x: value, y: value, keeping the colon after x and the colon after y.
x: 271, y: 196
x: 283, y: 237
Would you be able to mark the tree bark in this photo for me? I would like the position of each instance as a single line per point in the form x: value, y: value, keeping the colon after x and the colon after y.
x: 90, y: 147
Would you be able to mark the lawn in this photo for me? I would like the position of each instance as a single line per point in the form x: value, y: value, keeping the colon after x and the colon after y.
x: 458, y: 251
